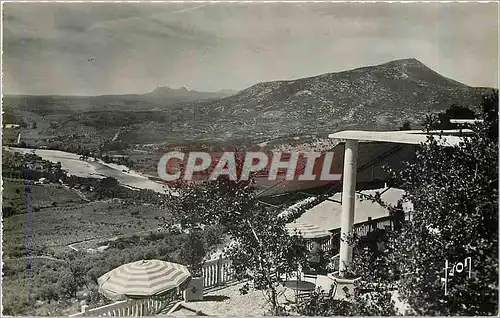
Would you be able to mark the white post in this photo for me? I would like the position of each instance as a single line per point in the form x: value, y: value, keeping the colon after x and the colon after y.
x: 85, y: 308
x: 348, y: 202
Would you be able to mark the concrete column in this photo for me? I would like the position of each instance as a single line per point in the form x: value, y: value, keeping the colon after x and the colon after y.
x: 348, y: 202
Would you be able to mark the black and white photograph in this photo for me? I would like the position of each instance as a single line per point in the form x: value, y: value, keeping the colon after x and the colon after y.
x: 250, y: 159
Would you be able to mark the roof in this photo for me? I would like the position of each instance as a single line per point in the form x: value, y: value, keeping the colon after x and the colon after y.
x: 400, y: 137
x: 308, y: 231
x: 447, y: 132
x: 327, y: 214
x: 465, y: 121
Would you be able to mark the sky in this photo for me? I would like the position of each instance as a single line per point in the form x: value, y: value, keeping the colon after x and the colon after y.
x: 120, y: 48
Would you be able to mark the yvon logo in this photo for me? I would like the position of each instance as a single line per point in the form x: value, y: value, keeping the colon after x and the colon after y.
x: 198, y: 166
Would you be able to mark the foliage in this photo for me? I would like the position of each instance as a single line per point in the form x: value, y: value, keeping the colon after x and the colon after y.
x: 370, y: 264
x: 260, y: 246
x: 73, y: 274
x: 406, y: 125
x: 193, y: 252
x: 442, y: 120
x: 43, y: 280
x: 376, y: 303
x: 214, y: 235
x: 455, y: 196
x: 460, y: 112
x: 263, y: 249
x: 454, y: 191
x: 15, y: 304
x: 109, y: 183
x: 67, y: 286
x: 76, y: 223
x: 19, y: 166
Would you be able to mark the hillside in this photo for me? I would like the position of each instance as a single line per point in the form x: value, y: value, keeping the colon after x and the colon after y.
x: 376, y: 97
x: 91, y: 120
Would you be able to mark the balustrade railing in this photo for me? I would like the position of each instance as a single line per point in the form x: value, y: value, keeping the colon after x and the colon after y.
x: 325, y: 246
x: 217, y: 272
x: 129, y: 307
x: 387, y: 222
x: 362, y: 229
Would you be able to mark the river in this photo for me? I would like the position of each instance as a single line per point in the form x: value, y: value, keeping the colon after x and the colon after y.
x: 88, y: 168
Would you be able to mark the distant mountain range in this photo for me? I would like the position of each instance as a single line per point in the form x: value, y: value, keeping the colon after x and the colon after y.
x: 184, y: 95
x: 158, y: 98
x: 376, y: 97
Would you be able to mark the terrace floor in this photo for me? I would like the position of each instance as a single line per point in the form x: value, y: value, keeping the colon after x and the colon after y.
x: 183, y: 312
x: 228, y: 301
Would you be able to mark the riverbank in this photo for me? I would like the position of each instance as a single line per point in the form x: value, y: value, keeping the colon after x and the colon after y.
x: 94, y: 169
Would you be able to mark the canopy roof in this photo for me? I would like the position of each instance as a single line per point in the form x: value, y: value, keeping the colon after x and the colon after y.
x: 401, y: 137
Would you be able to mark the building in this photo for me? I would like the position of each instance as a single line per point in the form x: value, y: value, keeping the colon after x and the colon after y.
x: 352, y: 140
x: 10, y: 126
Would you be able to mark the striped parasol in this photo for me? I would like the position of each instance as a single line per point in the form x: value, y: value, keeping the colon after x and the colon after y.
x: 143, y: 279
x: 308, y: 231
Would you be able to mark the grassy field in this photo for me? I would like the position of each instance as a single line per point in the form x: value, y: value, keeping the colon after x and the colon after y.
x: 53, y: 276
x: 24, y: 284
x: 59, y: 226
x: 28, y: 283
x: 39, y: 265
x: 44, y: 276
x: 37, y: 197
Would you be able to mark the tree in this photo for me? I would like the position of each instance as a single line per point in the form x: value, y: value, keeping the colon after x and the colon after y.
x: 260, y: 245
x: 49, y: 292
x: 193, y: 252
x: 262, y: 249
x: 17, y: 303
x: 67, y: 286
x: 406, y: 125
x: 490, y: 115
x: 78, y: 268
x: 23, y: 124
x: 371, y: 265
x: 442, y: 120
x: 109, y: 183
x: 85, y: 153
x: 455, y: 196
x: 459, y: 112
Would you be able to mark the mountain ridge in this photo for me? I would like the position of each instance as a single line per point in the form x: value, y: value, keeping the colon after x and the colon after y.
x: 411, y: 60
x: 369, y: 97
x: 376, y: 97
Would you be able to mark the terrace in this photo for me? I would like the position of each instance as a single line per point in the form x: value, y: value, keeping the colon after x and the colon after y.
x: 342, y: 214
x: 221, y: 290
